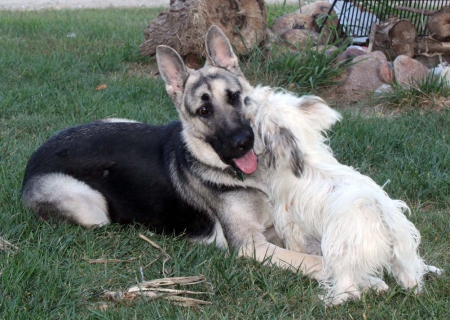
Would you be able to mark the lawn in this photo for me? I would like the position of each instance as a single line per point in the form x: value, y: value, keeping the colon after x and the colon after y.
x: 51, y: 64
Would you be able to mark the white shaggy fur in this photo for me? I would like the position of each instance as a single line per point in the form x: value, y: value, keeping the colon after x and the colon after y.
x: 316, y: 199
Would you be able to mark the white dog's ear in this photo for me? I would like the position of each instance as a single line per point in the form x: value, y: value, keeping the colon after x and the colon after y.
x: 283, y: 146
x: 219, y: 52
x: 173, y: 72
x: 320, y: 116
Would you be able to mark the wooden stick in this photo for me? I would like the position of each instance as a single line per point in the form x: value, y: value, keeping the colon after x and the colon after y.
x: 187, y: 302
x: 7, y: 246
x: 421, y: 11
x: 167, y: 258
x: 108, y: 260
x: 429, y: 47
x: 373, y: 30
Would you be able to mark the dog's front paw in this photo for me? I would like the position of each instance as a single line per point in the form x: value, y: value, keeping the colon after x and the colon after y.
x: 376, y: 284
x: 334, y: 300
x: 433, y: 269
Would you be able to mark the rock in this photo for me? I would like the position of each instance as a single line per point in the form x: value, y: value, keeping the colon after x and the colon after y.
x: 368, y: 73
x: 319, y: 11
x: 269, y: 39
x: 297, y: 38
x: 350, y: 53
x: 385, y: 71
x: 328, y: 49
x: 293, y: 21
x: 315, y: 9
x: 407, y: 71
x: 384, y: 88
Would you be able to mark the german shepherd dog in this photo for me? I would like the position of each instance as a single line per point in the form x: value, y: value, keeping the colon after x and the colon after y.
x: 198, y: 176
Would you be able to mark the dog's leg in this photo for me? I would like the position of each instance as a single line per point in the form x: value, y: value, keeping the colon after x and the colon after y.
x: 408, y: 269
x: 65, y: 198
x: 268, y: 253
x: 356, y: 244
x: 433, y: 269
x: 374, y: 283
x: 272, y: 237
x: 406, y: 265
x: 347, y: 288
x: 244, y: 224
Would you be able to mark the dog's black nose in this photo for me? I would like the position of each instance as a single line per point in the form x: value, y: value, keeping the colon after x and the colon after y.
x: 243, y: 141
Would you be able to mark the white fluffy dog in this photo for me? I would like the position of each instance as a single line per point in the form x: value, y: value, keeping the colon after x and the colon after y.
x: 327, y: 208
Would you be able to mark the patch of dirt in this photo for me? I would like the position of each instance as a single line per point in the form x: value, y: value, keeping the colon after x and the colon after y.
x: 147, y: 70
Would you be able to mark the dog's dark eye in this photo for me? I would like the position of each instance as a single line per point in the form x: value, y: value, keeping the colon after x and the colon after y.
x: 203, y: 111
x: 233, y: 97
x: 247, y: 101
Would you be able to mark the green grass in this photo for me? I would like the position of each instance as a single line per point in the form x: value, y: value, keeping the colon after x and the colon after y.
x: 48, y: 82
x: 306, y: 71
x: 432, y: 93
x: 277, y: 10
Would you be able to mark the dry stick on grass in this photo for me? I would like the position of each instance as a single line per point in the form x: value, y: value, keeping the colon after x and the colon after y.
x: 7, y: 246
x: 168, y: 282
x: 152, y: 262
x: 187, y: 302
x: 167, y: 257
x: 108, y: 260
x: 152, y: 290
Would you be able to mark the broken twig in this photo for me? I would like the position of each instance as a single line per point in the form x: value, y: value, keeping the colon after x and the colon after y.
x: 108, y: 260
x: 151, y: 290
x: 155, y: 245
x: 7, y: 246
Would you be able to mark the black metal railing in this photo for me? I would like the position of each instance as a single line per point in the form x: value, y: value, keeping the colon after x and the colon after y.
x: 356, y: 17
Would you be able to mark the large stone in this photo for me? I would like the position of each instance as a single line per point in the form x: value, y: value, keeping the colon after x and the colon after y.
x: 368, y: 73
x: 296, y: 39
x: 350, y: 53
x: 293, y: 21
x: 409, y: 71
x: 315, y: 9
x: 318, y: 10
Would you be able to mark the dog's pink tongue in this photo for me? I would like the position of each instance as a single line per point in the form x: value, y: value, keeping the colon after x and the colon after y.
x: 248, y: 163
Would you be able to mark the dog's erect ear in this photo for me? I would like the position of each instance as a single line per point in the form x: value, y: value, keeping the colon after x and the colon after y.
x: 173, y: 71
x: 219, y: 52
x: 282, y: 146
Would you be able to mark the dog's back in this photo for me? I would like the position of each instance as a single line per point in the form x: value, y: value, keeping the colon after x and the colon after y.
x: 103, y: 172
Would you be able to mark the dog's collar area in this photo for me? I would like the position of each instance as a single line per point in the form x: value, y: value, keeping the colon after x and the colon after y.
x: 239, y: 174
